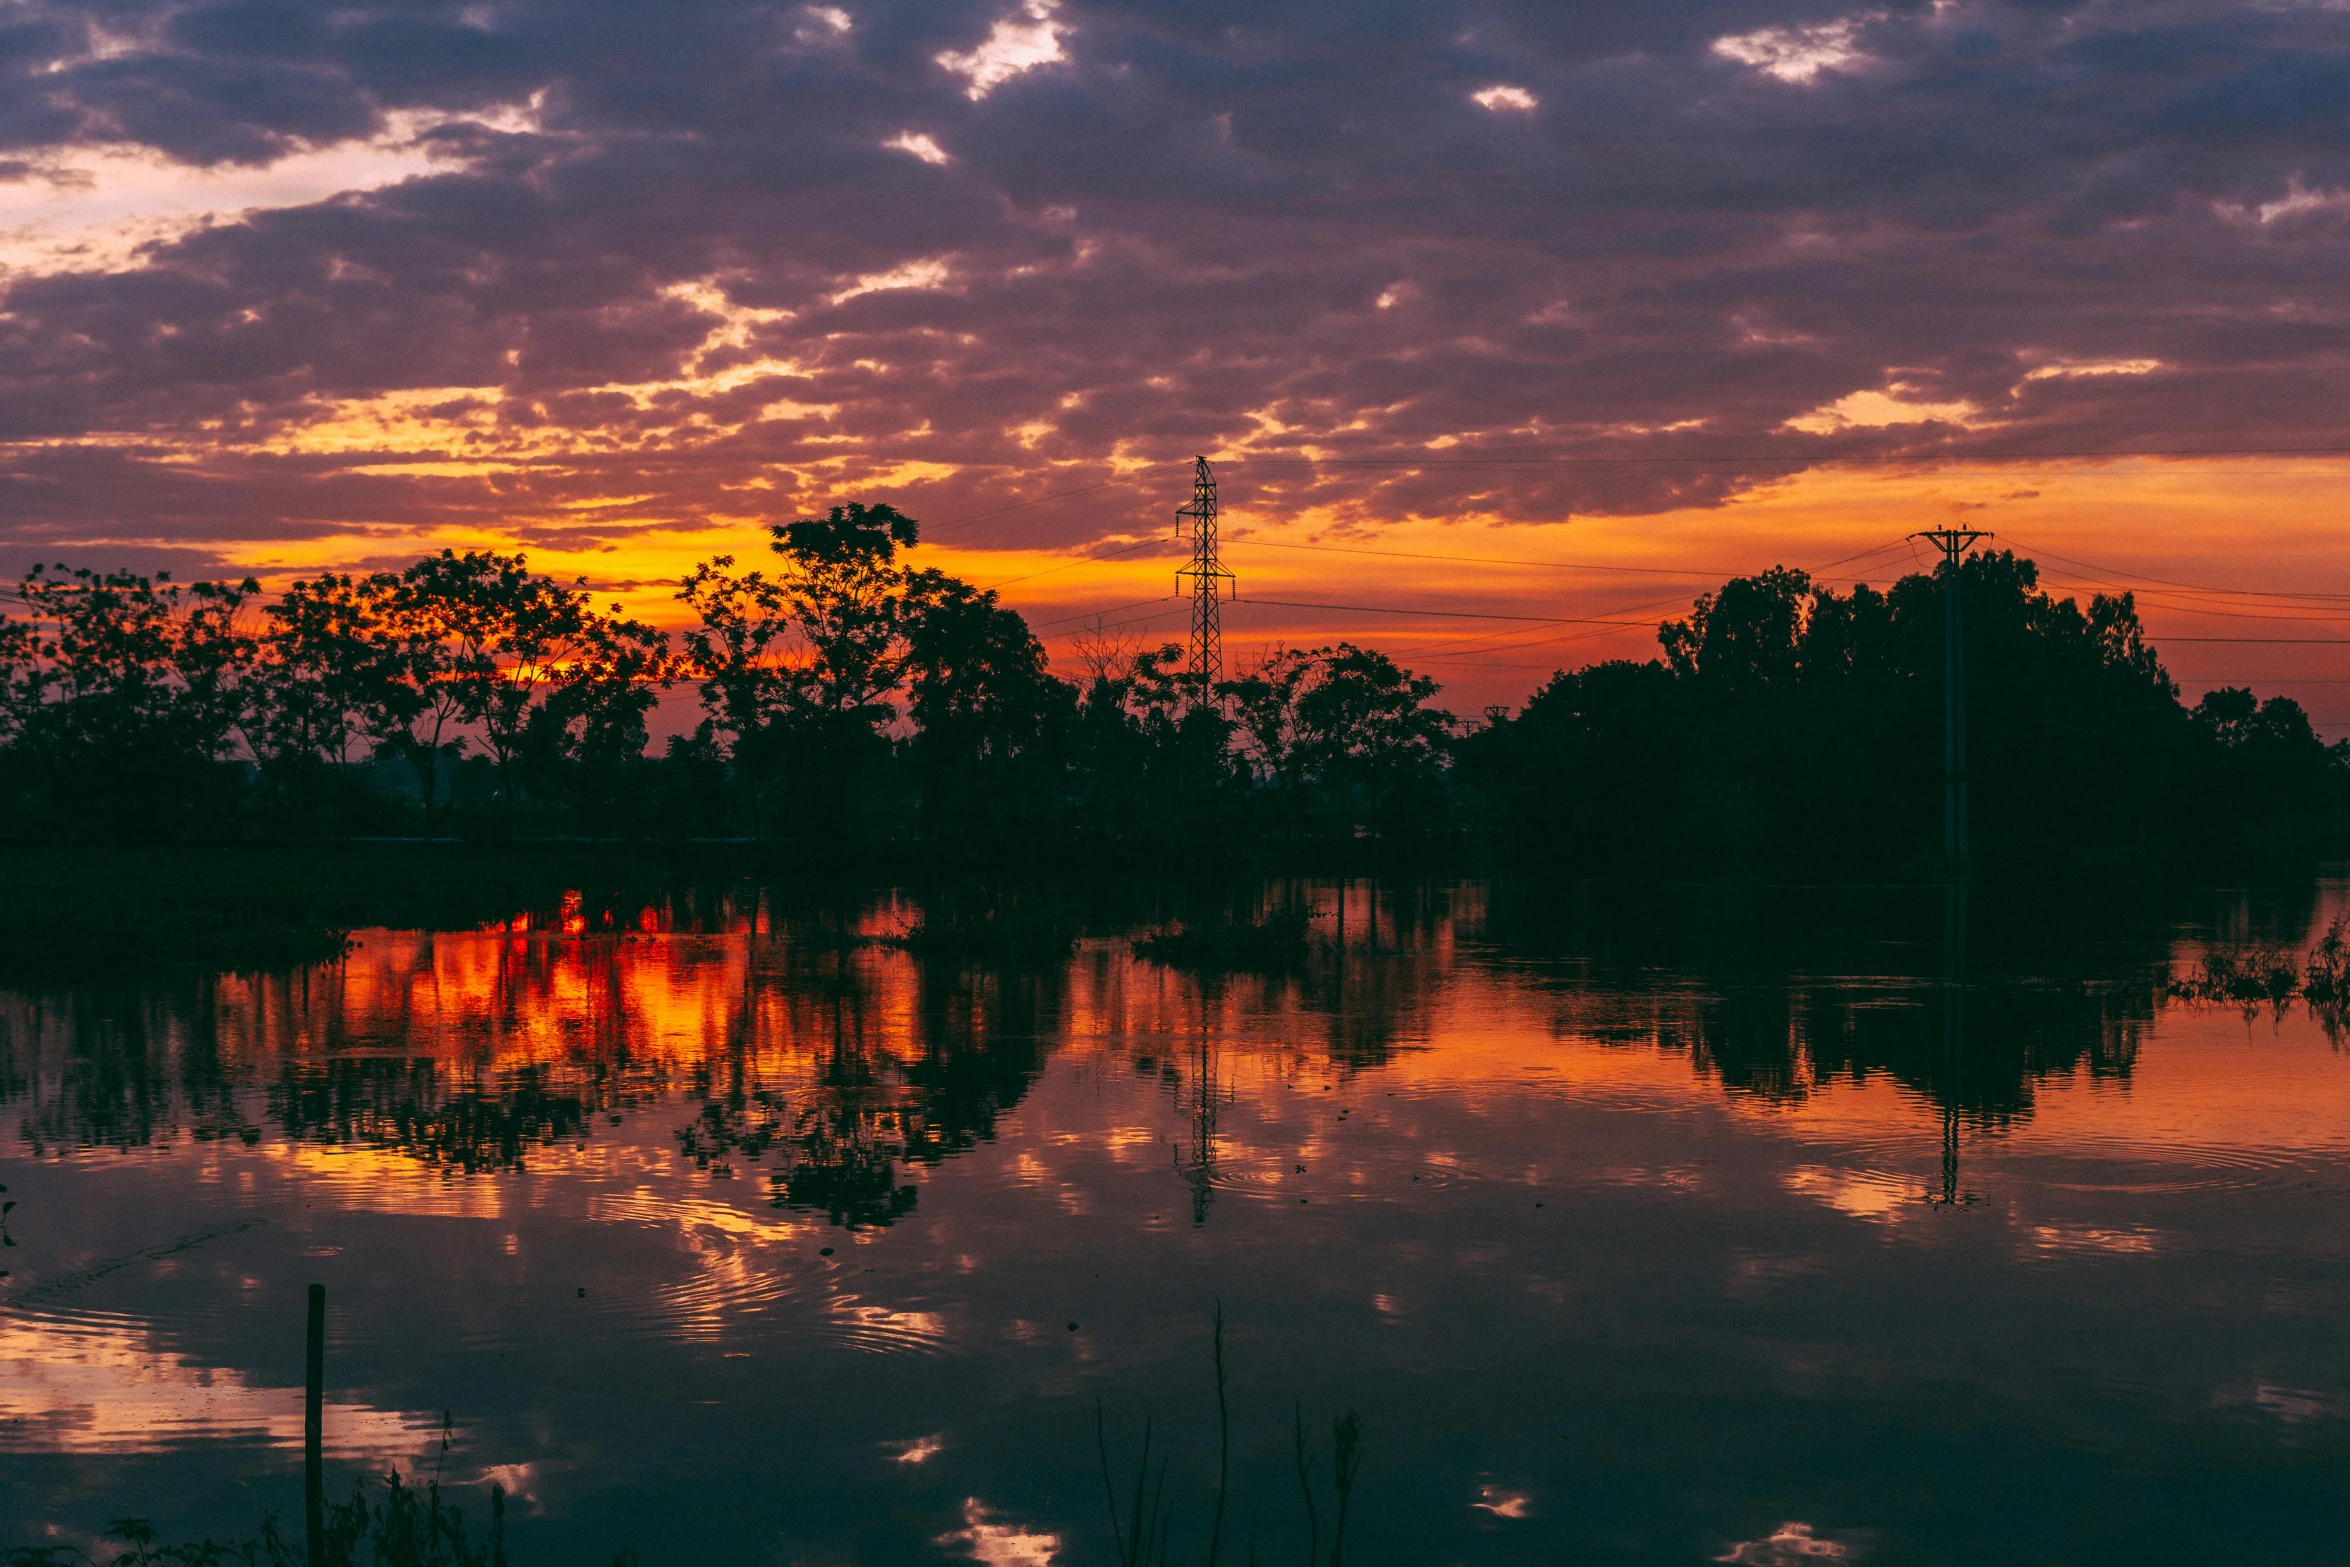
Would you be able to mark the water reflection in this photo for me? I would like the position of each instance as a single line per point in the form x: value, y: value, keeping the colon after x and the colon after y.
x: 834, y: 1067
x: 1557, y: 1188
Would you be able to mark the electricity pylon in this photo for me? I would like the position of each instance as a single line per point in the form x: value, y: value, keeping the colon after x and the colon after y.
x: 1208, y: 576
x: 1953, y: 543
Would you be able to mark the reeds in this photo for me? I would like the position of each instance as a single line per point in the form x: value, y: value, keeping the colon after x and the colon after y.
x: 1143, y: 1535
x: 409, y: 1526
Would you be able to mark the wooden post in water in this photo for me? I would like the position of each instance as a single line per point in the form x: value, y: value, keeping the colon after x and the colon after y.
x: 314, y: 1430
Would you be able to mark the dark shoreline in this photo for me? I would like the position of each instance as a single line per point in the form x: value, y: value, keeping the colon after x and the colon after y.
x: 84, y: 913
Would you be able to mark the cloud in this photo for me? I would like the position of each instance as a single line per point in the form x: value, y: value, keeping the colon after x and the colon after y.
x: 1504, y: 98
x: 1794, y: 54
x: 920, y: 145
x: 1872, y: 410
x: 382, y: 276
x: 1020, y: 42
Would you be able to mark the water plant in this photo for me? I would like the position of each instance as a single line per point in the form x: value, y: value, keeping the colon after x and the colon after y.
x: 2325, y: 979
x: 1143, y: 1535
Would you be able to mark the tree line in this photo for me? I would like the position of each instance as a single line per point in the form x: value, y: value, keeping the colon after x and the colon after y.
x: 846, y: 695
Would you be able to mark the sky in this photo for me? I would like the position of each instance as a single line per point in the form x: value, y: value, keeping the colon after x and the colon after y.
x: 1508, y: 327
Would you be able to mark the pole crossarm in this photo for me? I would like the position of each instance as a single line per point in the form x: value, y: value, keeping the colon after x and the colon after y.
x: 1953, y: 542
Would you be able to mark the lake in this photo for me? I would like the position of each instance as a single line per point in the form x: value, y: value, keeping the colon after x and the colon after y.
x: 1679, y: 1226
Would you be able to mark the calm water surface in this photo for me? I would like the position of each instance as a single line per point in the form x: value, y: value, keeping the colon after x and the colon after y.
x: 709, y: 1230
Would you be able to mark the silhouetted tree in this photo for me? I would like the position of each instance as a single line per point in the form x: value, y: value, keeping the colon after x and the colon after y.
x: 1795, y: 726
x: 322, y: 663
x: 991, y: 723
x: 127, y: 694
x: 586, y: 741
x: 509, y: 637
x: 1351, y: 726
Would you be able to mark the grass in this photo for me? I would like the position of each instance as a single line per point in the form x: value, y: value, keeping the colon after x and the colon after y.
x: 405, y: 1526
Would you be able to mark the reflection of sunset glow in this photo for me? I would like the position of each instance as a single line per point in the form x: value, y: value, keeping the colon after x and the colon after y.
x: 771, y: 1114
x: 105, y: 1387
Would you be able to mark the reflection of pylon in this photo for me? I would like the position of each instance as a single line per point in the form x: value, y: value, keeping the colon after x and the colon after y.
x: 1199, y: 1171
x: 1208, y: 576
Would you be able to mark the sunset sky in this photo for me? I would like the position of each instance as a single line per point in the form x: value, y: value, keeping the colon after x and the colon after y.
x: 1538, y: 310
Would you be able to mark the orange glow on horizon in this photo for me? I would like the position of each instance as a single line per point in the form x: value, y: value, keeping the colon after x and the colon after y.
x: 2266, y: 524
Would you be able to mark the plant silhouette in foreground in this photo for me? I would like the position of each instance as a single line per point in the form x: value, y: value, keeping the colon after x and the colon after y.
x: 1143, y: 1536
x: 408, y: 1527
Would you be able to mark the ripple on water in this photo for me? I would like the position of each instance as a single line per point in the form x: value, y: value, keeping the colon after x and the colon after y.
x: 1368, y: 1178
x: 790, y: 1298
x: 2142, y: 1166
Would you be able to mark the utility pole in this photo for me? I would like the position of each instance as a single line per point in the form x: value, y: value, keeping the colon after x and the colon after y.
x: 1207, y: 575
x: 1953, y: 543
x: 314, y: 1431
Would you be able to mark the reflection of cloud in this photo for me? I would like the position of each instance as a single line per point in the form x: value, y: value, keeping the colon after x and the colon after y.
x: 1000, y: 1544
x: 1501, y: 1503
x: 1864, y: 1194
x: 883, y: 1331
x: 108, y: 1387
x: 2294, y: 1405
x: 2090, y: 1238
x: 1790, y: 1545
x: 519, y: 1482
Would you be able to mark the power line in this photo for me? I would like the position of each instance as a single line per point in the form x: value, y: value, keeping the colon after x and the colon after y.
x: 1071, y: 565
x: 2198, y: 587
x: 1438, y: 614
x: 1480, y: 560
x: 2159, y: 600
x: 1111, y: 609
x: 1539, y: 460
x: 1653, y: 604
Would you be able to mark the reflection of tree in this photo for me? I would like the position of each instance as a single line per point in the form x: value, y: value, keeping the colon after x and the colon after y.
x: 1782, y: 1044
x: 373, y: 1102
x: 117, y: 1070
x: 1732, y: 979
x: 858, y: 1089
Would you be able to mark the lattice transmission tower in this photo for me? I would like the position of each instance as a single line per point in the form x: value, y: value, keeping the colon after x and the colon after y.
x: 1208, y: 579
